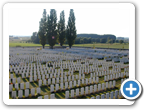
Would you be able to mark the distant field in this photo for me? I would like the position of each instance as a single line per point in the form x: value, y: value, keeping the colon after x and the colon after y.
x: 100, y: 45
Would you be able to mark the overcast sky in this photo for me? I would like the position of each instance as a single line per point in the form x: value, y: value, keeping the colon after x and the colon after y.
x: 25, y: 21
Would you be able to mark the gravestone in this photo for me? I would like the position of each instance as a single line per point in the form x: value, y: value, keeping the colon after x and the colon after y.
x: 103, y: 86
x: 98, y: 97
x: 20, y: 93
x: 40, y: 97
x: 99, y: 87
x: 49, y: 81
x: 66, y: 85
x: 86, y: 90
x: 18, y: 80
x: 32, y: 91
x: 72, y: 77
x: 97, y: 79
x: 57, y: 80
x: 72, y: 93
x: 70, y: 84
x: 61, y: 86
x: 27, y: 85
x: 82, y: 91
x: 22, y: 86
x: 53, y: 80
x: 35, y: 77
x: 110, y: 84
x: 52, y: 88
x: 116, y: 94
x: 38, y: 90
x: 26, y: 92
x: 66, y: 94
x: 16, y: 86
x: 74, y: 83
x: 102, y: 96
x: 40, y: 83
x: 57, y: 87
x: 107, y: 95
x: 111, y: 95
x: 78, y: 82
x: 45, y: 96
x: 14, y: 80
x: 44, y: 82
x: 77, y: 92
x: 14, y: 94
x: 86, y: 81
x: 91, y: 89
x: 82, y: 81
x: 61, y: 79
x: 114, y: 83
x: 52, y: 96
x: 95, y: 88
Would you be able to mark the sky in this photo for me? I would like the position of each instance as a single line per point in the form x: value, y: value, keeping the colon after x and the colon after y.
x: 25, y: 21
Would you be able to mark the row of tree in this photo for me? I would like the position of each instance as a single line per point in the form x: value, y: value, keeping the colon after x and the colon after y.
x: 52, y: 32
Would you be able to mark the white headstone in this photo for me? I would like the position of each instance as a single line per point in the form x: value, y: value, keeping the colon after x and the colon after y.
x: 44, y: 82
x: 40, y: 97
x: 20, y: 93
x: 14, y: 94
x: 57, y: 87
x: 45, y: 96
x: 66, y: 85
x: 66, y: 94
x: 61, y: 86
x: 114, y: 83
x: 40, y: 83
x: 26, y: 92
x: 53, y: 80
x: 107, y: 95
x: 102, y: 96
x: 52, y: 96
x: 91, y: 89
x: 97, y: 79
x: 98, y: 97
x: 86, y: 81
x: 77, y: 92
x: 16, y: 86
x: 86, y: 90
x: 74, y: 83
x: 27, y: 85
x: 89, y: 80
x: 38, y: 90
x: 52, y: 88
x: 18, y: 80
x: 103, y: 85
x: 22, y: 86
x: 82, y: 91
x: 70, y: 84
x: 49, y: 81
x: 72, y: 93
x: 111, y: 95
x: 32, y: 91
x: 95, y: 88
x: 99, y: 87
x: 116, y: 94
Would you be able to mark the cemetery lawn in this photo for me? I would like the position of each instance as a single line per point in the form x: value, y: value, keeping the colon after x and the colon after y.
x: 98, y: 45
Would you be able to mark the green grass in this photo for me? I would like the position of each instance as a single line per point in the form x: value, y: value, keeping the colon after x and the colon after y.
x: 98, y: 45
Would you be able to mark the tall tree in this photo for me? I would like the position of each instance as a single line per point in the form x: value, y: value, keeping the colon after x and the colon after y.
x: 71, y: 29
x: 61, y: 28
x: 52, y: 33
x: 35, y: 38
x: 42, y: 29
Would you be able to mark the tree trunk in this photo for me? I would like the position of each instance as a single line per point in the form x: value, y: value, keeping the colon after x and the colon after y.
x: 43, y: 46
x: 51, y: 47
x: 70, y: 46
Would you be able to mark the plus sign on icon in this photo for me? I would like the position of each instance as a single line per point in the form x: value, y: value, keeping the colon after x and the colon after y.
x: 130, y: 89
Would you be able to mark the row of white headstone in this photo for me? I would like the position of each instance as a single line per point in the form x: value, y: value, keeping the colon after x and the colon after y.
x: 98, y: 87
x: 113, y: 94
x: 26, y: 92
